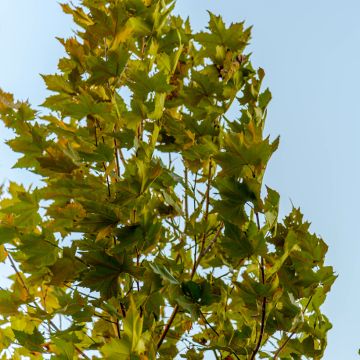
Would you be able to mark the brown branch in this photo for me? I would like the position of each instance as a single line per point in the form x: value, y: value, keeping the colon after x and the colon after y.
x: 13, y: 265
x: 208, y: 324
x: 277, y: 353
x: 123, y: 310
x: 117, y: 325
x: 137, y: 264
x: 117, y: 158
x: 263, y: 305
x: 207, y: 204
x: 167, y: 326
x: 79, y: 351
x: 206, y: 250
x: 107, y: 180
x: 96, y: 144
x: 186, y: 197
x: 176, y: 308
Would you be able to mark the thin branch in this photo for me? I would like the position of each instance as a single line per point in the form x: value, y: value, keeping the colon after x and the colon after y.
x: 207, y: 204
x: 123, y: 310
x: 117, y: 325
x: 81, y: 292
x: 79, y: 351
x: 216, y: 355
x: 137, y: 264
x: 102, y: 317
x: 208, y: 324
x: 13, y: 265
x: 176, y: 308
x: 96, y: 144
x: 186, y: 197
x: 234, y: 353
x: 206, y: 250
x: 167, y: 326
x: 195, y: 237
x: 277, y: 353
x: 116, y: 151
x: 263, y: 305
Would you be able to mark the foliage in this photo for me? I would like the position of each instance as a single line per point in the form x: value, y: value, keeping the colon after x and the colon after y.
x: 150, y: 236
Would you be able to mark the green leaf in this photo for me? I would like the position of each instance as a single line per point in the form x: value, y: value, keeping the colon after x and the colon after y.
x: 66, y: 350
x: 163, y: 272
x: 33, y: 341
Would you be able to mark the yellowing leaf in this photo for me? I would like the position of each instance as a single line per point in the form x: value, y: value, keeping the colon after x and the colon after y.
x: 3, y: 252
x: 104, y: 232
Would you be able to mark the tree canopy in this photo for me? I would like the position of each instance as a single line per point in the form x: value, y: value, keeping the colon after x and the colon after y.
x: 151, y: 233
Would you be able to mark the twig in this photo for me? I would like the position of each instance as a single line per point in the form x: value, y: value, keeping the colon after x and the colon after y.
x: 96, y: 144
x: 176, y: 308
x: 186, y: 197
x: 117, y: 158
x: 13, y: 265
x: 208, y: 324
x: 167, y: 326
x: 263, y: 305
x: 123, y: 310
x: 207, y: 204
x: 206, y: 250
x: 277, y: 353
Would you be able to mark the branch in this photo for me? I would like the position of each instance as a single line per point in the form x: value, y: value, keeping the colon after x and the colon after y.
x: 207, y: 203
x: 186, y: 196
x: 117, y: 158
x: 277, y: 353
x: 176, y: 308
x: 13, y: 265
x: 208, y: 324
x: 263, y: 306
x: 206, y: 250
x: 167, y: 326
x: 262, y: 328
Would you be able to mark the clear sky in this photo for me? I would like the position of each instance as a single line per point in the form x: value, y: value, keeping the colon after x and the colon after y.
x: 310, y: 50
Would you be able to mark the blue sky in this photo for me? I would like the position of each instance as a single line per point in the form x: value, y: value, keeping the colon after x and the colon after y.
x: 310, y: 51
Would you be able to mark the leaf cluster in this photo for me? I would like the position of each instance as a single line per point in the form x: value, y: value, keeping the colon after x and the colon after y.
x: 152, y: 234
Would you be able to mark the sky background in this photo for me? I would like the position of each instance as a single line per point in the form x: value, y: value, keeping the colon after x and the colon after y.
x: 310, y: 51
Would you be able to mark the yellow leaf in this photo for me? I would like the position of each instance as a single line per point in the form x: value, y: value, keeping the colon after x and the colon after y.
x: 122, y: 36
x: 104, y: 232
x: 3, y: 253
x: 49, y: 301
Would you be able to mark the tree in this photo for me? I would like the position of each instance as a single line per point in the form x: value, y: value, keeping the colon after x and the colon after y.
x: 152, y: 234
